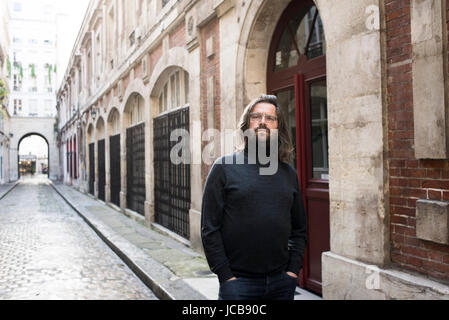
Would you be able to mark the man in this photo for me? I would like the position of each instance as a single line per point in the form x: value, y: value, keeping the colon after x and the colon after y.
x: 253, y: 225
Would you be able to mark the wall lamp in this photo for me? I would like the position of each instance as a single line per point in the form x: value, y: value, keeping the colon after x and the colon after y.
x: 93, y: 113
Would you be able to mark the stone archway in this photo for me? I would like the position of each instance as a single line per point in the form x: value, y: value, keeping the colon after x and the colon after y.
x: 113, y: 163
x: 44, y: 127
x: 172, y: 187
x: 28, y: 135
x: 133, y: 129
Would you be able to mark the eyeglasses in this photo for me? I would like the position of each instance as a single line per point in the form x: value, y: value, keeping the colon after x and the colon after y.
x: 257, y: 117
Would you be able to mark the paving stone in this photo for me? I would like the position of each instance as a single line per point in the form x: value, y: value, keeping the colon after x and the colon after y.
x: 48, y: 252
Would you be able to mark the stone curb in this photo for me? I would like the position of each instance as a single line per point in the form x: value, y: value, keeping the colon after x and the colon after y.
x: 9, y: 190
x: 157, y: 277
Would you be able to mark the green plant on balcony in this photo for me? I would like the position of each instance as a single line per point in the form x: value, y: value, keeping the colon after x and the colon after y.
x: 51, y: 69
x: 18, y: 65
x: 3, y: 90
x: 33, y: 70
x: 8, y: 66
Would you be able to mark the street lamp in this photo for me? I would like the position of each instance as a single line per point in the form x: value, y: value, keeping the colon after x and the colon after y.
x: 93, y: 113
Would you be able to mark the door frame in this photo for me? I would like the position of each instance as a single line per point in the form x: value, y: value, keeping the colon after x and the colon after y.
x: 299, y: 77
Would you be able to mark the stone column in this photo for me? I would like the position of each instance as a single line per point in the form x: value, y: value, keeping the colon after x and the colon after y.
x: 13, y: 161
x: 195, y: 141
x: 359, y: 218
x: 229, y: 34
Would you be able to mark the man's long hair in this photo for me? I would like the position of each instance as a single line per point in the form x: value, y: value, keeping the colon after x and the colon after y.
x: 286, y: 149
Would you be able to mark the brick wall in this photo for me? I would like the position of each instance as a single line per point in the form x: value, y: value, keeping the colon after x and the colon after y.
x: 155, y: 55
x: 138, y: 70
x: 410, y: 179
x: 126, y: 81
x: 177, y: 37
x: 210, y: 66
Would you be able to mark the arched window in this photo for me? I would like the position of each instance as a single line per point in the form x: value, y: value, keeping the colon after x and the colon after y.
x: 114, y: 156
x: 135, y: 154
x: 114, y: 123
x: 303, y: 35
x: 136, y: 110
x: 175, y: 92
x: 296, y: 74
x: 172, y: 180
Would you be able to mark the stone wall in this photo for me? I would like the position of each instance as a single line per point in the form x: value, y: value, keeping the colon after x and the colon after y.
x: 44, y: 127
x: 210, y: 82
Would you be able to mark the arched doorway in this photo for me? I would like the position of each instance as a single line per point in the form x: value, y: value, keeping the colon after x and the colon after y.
x: 101, y: 162
x: 33, y: 155
x: 114, y: 156
x: 91, y: 157
x: 297, y: 75
x: 135, y: 153
x: 171, y: 178
x: 71, y: 158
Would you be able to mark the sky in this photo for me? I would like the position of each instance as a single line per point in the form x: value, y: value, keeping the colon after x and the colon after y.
x: 35, y: 145
x: 71, y: 18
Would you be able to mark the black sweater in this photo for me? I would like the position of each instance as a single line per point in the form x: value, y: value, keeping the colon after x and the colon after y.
x: 252, y: 224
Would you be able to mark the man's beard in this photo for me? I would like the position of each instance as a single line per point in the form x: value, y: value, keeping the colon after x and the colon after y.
x: 256, y: 144
x: 259, y: 150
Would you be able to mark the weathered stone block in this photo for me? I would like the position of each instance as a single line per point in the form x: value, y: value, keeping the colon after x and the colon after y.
x: 348, y: 279
x: 432, y: 221
x: 195, y: 230
x: 210, y: 50
x: 429, y: 98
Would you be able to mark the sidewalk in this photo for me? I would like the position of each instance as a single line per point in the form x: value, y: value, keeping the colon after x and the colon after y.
x: 6, y: 188
x: 170, y: 269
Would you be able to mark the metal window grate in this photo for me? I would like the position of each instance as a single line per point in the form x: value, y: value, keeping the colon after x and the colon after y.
x: 114, y: 155
x: 101, y: 170
x: 172, y: 181
x: 135, y: 159
x: 91, y: 168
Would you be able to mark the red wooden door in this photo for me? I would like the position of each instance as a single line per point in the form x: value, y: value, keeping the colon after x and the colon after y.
x: 297, y: 75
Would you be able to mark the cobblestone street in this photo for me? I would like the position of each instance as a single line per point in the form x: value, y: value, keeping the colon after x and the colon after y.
x: 48, y: 252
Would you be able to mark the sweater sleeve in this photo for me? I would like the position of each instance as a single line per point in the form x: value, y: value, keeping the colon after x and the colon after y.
x: 298, y: 236
x: 211, y: 220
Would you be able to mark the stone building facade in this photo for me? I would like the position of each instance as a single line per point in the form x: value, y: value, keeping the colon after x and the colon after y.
x: 4, y: 144
x: 4, y: 93
x: 32, y: 59
x: 32, y: 54
x: 362, y: 84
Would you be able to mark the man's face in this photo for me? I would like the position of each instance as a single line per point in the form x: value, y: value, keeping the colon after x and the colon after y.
x: 263, y: 118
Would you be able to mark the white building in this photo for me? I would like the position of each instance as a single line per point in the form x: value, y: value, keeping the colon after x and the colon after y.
x: 32, y: 54
x: 4, y: 88
x: 4, y: 39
